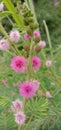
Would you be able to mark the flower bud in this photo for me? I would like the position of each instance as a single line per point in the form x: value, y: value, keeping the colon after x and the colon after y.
x: 37, y: 39
x: 26, y: 47
x: 29, y: 30
x: 26, y: 36
x: 48, y: 95
x: 48, y: 63
x: 42, y: 44
x: 37, y: 48
x: 33, y: 25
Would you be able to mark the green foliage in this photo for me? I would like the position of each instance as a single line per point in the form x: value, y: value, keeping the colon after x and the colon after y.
x: 37, y: 107
x: 45, y: 10
x: 18, y: 18
x: 45, y: 114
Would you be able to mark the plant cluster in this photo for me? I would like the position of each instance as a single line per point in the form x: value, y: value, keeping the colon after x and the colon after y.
x: 26, y: 105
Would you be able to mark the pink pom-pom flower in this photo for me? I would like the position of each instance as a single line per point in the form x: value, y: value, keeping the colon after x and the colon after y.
x: 20, y: 118
x: 36, y: 84
x: 15, y: 36
x: 1, y: 6
x: 19, y: 64
x: 27, y: 37
x: 48, y: 63
x: 4, y: 45
x: 36, y: 62
x: 42, y: 44
x: 27, y: 89
x: 48, y: 95
x: 16, y: 105
x: 36, y: 33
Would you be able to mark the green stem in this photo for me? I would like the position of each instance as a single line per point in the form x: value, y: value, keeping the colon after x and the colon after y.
x: 18, y: 18
x: 30, y: 60
x: 19, y: 127
x: 11, y: 22
x: 28, y: 122
x: 5, y: 123
x: 18, y: 53
x: 2, y: 30
x: 48, y: 37
x: 10, y: 53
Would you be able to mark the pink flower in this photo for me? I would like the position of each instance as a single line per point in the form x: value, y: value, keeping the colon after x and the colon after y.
x: 4, y: 46
x: 14, y: 36
x: 48, y: 63
x: 42, y: 44
x: 36, y: 62
x: 36, y: 33
x: 19, y: 64
x: 27, y: 89
x: 1, y: 6
x: 48, y: 95
x: 16, y: 105
x: 19, y: 118
x: 27, y: 37
x: 36, y: 84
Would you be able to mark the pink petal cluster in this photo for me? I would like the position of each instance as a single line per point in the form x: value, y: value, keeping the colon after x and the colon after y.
x: 42, y: 44
x: 19, y: 64
x: 27, y: 36
x: 28, y: 89
x: 15, y: 36
x: 1, y: 6
x: 36, y: 62
x: 17, y: 105
x: 19, y: 118
x: 4, y: 45
x: 36, y: 84
x: 36, y: 33
x: 48, y: 95
x: 48, y: 63
x: 19, y: 115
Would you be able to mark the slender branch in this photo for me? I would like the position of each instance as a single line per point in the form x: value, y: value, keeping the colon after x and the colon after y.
x: 29, y: 122
x: 48, y: 37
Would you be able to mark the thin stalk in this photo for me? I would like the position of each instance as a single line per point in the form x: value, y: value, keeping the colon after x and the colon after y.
x: 19, y: 127
x: 10, y: 53
x: 5, y: 123
x: 11, y: 22
x: 2, y: 30
x: 26, y: 128
x: 30, y: 60
x: 16, y: 50
x: 48, y: 37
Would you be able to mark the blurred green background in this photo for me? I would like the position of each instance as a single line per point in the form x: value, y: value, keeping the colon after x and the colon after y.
x: 50, y: 11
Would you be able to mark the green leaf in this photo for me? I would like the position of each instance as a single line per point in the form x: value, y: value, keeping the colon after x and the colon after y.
x: 37, y: 107
x: 18, y: 18
x: 4, y: 14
